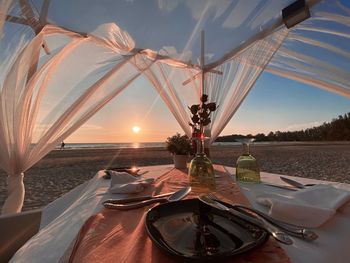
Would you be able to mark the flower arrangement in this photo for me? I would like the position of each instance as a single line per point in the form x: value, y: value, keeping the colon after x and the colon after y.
x: 201, y: 114
x: 178, y: 144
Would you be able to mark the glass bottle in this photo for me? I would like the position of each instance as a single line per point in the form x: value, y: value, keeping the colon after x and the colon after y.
x: 247, y: 169
x: 201, y: 171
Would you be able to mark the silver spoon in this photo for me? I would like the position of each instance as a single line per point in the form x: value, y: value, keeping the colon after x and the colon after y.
x: 178, y: 195
x: 274, y: 231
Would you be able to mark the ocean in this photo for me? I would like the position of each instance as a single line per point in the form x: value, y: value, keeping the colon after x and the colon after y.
x: 133, y: 145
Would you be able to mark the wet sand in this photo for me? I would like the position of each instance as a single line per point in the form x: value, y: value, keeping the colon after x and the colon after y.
x: 61, y: 171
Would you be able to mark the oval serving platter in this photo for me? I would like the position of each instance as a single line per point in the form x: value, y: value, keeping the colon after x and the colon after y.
x: 191, y: 230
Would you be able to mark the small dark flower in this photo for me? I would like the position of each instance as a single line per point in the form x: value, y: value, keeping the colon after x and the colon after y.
x: 206, y: 121
x: 204, y: 98
x: 194, y: 108
x: 204, y: 114
x: 195, y: 118
x: 212, y: 106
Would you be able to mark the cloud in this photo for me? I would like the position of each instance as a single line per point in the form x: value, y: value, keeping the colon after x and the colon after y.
x: 196, y: 6
x: 90, y: 127
x: 240, y: 13
x: 168, y: 5
x: 209, y: 55
x: 171, y: 51
x: 302, y: 126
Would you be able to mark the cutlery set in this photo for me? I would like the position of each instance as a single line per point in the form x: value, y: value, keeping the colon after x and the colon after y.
x: 135, y: 202
x: 274, y: 231
x: 281, y: 231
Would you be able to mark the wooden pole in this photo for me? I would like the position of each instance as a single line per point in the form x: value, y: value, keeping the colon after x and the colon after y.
x: 202, y: 74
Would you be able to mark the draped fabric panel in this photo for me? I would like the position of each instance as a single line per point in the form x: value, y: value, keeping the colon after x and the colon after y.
x: 168, y: 82
x: 227, y: 84
x: 4, y: 8
x: 181, y: 87
x: 317, y: 51
x: 238, y: 77
x: 45, y: 98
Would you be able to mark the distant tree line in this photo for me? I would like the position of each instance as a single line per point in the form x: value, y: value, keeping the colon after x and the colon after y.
x: 336, y: 130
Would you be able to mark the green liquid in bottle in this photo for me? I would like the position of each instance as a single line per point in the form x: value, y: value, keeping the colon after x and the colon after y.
x: 247, y: 169
x: 201, y: 172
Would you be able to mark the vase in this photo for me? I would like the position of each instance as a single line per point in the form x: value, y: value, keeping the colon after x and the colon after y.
x: 201, y: 171
x: 180, y: 161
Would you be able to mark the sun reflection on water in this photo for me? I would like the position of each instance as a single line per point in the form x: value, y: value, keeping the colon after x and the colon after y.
x: 135, y: 145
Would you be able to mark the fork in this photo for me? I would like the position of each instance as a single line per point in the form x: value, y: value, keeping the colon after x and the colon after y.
x: 294, y: 230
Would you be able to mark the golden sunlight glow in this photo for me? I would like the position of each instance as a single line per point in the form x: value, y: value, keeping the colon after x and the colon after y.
x: 136, y: 129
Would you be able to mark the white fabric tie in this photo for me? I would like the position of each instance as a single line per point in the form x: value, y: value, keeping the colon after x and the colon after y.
x: 124, y: 183
x: 15, y: 189
x: 310, y: 207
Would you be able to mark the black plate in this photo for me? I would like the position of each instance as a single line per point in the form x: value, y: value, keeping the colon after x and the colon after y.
x: 192, y: 230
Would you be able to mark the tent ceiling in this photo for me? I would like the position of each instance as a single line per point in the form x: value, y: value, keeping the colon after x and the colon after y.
x: 173, y: 25
x: 170, y: 26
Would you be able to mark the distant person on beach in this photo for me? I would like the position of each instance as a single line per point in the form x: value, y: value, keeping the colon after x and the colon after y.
x: 62, y: 145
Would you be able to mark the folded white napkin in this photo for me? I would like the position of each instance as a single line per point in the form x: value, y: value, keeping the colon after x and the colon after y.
x: 124, y: 183
x: 310, y: 207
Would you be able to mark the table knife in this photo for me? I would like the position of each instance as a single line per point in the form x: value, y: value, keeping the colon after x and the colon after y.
x: 136, y: 199
x: 295, y: 183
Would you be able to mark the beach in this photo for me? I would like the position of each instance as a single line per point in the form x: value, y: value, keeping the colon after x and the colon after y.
x: 62, y: 170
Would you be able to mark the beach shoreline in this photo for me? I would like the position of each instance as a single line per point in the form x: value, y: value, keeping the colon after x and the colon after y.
x: 62, y: 170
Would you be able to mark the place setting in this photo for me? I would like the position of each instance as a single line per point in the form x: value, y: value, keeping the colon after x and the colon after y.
x: 203, y: 227
x: 193, y: 224
x: 206, y: 228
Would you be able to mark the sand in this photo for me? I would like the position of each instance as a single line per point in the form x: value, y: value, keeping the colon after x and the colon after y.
x: 61, y: 171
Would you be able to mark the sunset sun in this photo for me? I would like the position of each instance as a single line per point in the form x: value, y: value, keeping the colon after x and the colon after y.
x: 136, y: 129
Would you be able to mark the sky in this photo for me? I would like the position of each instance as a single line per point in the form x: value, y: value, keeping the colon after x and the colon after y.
x: 173, y: 27
x: 274, y: 103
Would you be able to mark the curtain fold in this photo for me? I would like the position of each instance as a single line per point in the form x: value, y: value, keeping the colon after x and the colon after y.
x: 40, y: 108
x: 180, y: 87
x: 5, y: 6
x: 317, y: 51
x: 168, y: 82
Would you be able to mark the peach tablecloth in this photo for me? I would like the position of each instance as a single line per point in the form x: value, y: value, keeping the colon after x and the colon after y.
x: 120, y: 236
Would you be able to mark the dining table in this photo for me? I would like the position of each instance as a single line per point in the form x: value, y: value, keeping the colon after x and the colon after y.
x: 63, y: 219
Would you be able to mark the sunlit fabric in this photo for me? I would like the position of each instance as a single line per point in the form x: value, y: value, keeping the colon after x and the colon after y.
x: 314, y: 51
x: 62, y: 61
x: 4, y: 8
x: 239, y: 75
x: 41, y: 106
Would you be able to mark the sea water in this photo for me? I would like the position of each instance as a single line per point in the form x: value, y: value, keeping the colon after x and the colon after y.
x: 132, y: 145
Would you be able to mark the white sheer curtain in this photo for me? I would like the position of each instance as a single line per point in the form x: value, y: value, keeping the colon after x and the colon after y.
x: 181, y: 87
x: 168, y: 81
x: 317, y: 51
x: 239, y: 74
x: 45, y: 98
x: 4, y: 8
